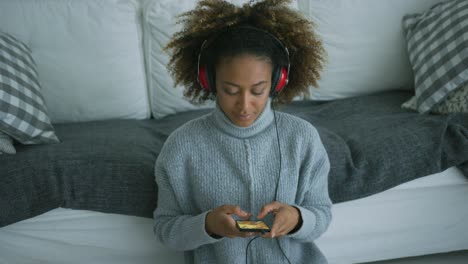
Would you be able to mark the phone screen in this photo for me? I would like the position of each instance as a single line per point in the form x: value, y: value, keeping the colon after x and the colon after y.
x: 252, y: 226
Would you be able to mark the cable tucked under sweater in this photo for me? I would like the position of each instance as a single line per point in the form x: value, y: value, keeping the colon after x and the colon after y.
x: 210, y: 161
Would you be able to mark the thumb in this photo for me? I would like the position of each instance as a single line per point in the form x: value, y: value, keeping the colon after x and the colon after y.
x: 268, y: 208
x: 239, y: 212
x: 263, y: 212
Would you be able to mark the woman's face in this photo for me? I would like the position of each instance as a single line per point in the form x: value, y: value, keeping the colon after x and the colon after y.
x: 243, y: 85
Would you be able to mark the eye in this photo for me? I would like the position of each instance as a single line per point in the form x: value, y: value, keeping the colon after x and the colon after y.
x: 258, y: 91
x: 231, y: 92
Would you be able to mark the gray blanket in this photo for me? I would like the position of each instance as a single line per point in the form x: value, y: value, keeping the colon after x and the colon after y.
x: 107, y: 166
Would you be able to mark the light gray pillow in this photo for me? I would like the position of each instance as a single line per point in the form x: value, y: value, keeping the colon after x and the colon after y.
x: 23, y: 114
x: 438, y: 51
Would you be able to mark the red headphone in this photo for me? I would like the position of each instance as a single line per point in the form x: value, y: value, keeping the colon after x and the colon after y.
x: 279, y: 77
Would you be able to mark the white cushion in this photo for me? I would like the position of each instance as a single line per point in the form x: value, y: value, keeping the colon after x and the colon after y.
x: 88, y: 54
x: 365, y: 46
x: 159, y: 21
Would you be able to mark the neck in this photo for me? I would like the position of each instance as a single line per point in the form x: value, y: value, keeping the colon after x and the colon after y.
x: 226, y: 125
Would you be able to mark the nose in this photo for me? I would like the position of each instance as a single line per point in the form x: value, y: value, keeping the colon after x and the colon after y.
x: 243, y: 101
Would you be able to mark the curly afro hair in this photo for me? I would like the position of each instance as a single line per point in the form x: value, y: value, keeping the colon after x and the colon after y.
x: 213, y: 21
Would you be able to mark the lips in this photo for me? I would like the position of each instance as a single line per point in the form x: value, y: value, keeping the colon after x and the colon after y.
x: 244, y: 117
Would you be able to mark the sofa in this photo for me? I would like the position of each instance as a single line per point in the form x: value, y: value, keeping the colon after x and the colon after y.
x: 77, y: 184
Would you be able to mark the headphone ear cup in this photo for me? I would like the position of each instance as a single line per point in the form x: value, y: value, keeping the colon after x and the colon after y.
x: 210, y: 75
x: 274, y: 80
x: 206, y: 78
x: 280, y: 79
x: 203, y: 78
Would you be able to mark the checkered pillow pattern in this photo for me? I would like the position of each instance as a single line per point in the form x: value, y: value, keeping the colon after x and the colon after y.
x: 438, y: 52
x: 23, y: 114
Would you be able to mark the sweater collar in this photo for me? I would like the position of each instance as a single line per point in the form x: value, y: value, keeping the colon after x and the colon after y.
x: 225, y: 124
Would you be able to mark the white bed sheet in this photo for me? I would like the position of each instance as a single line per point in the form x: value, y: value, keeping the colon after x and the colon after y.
x: 424, y: 216
x: 427, y: 215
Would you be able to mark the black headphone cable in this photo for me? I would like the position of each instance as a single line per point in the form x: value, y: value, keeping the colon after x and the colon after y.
x: 276, y: 191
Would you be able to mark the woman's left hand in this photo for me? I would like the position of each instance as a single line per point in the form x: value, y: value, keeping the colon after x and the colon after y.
x: 287, y: 218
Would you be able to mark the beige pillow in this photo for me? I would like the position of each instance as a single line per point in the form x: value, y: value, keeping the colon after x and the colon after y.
x: 455, y: 102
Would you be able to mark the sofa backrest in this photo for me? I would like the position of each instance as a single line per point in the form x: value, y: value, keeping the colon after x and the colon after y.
x: 364, y: 41
x: 104, y: 59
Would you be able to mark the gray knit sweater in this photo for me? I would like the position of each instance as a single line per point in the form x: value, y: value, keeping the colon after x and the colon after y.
x: 209, y: 162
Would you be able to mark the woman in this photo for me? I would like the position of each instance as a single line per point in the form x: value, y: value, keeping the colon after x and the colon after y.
x: 243, y: 160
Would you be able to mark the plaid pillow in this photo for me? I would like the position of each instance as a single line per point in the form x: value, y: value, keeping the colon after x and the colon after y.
x: 438, y: 51
x: 23, y: 114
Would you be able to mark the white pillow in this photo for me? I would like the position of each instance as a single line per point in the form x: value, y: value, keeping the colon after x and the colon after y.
x: 88, y: 53
x: 159, y: 24
x: 365, y: 46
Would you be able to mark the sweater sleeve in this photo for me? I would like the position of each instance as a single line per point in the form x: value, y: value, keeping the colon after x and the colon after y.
x: 172, y: 227
x: 313, y: 201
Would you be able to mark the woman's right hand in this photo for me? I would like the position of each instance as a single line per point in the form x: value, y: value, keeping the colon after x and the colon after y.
x: 220, y: 222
